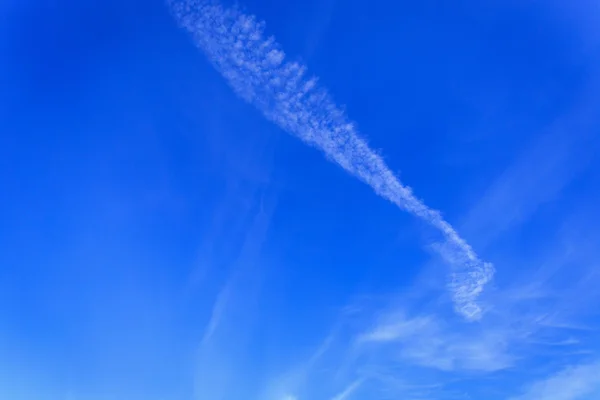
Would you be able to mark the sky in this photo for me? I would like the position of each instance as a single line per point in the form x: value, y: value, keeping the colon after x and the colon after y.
x: 299, y: 200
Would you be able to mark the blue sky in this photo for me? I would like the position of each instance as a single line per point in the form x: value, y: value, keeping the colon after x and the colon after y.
x: 299, y: 200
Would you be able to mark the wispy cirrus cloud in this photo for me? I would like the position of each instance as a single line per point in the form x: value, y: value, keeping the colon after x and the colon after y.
x: 224, y: 348
x: 572, y: 383
x: 427, y: 341
x: 543, y: 169
x: 256, y: 68
x: 349, y: 390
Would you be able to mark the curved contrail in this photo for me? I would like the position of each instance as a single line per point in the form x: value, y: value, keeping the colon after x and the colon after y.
x: 255, y: 67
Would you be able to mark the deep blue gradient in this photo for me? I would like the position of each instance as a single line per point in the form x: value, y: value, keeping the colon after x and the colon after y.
x: 160, y: 239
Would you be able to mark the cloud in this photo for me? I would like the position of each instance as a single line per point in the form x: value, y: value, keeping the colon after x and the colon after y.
x: 224, y: 347
x: 256, y: 68
x: 217, y: 312
x: 572, y: 383
x: 303, y: 375
x: 428, y: 342
x: 347, y: 392
x: 543, y: 169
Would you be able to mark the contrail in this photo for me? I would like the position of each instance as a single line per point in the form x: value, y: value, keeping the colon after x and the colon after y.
x: 255, y: 67
x: 345, y: 394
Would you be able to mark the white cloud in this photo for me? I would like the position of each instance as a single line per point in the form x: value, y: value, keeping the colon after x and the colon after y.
x: 255, y: 67
x: 217, y: 312
x: 292, y: 383
x: 428, y: 342
x: 538, y: 175
x: 347, y: 392
x: 573, y: 383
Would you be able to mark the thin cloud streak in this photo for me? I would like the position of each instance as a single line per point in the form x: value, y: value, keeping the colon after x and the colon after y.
x: 572, y: 383
x: 429, y: 342
x: 346, y: 393
x: 254, y: 66
x: 217, y: 313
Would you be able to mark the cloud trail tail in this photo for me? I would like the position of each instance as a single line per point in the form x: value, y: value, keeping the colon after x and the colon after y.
x: 255, y: 67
